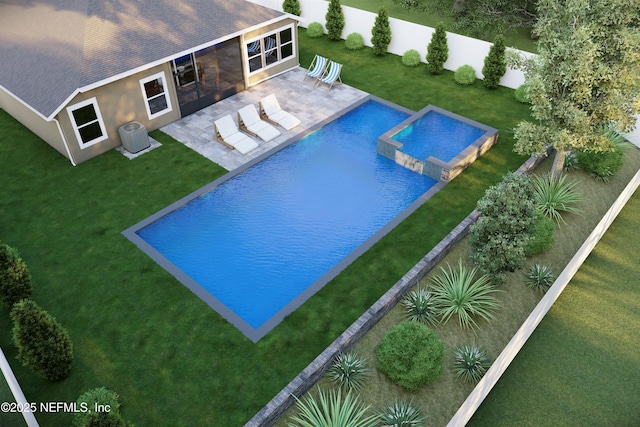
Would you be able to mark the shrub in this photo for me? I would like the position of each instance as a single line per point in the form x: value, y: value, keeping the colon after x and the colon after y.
x: 15, y: 280
x: 495, y: 64
x: 335, y: 20
x: 43, y: 345
x: 354, y: 41
x: 411, y: 58
x: 292, y: 7
x: 420, y: 307
x: 106, y: 399
x: 456, y: 293
x: 465, y: 75
x: 601, y: 165
x: 381, y: 33
x: 522, y: 94
x: 437, y: 50
x: 470, y: 363
x: 541, y: 237
x: 410, y: 355
x: 553, y: 195
x: 330, y: 409
x: 348, y: 371
x: 315, y: 30
x: 570, y: 161
x: 501, y: 234
x: 401, y: 414
x: 539, y: 277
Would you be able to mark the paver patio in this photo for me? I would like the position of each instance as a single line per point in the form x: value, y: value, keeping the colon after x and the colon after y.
x: 308, y: 102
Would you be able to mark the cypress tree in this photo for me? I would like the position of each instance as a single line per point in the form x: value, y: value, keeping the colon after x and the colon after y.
x: 437, y: 50
x: 381, y: 33
x: 335, y: 20
x: 292, y: 7
x: 15, y: 280
x: 43, y: 345
x: 495, y: 64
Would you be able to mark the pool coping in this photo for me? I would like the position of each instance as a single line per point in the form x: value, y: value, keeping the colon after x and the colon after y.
x: 255, y: 334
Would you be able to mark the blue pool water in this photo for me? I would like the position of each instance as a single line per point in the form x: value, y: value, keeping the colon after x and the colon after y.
x: 260, y: 239
x: 437, y: 135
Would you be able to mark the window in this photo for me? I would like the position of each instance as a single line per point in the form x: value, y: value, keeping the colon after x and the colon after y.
x: 87, y: 122
x: 270, y: 49
x: 154, y: 91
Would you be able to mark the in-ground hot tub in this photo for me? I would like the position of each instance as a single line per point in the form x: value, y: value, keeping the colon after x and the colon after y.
x: 437, y: 143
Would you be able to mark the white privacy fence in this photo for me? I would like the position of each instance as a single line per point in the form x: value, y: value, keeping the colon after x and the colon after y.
x: 404, y: 36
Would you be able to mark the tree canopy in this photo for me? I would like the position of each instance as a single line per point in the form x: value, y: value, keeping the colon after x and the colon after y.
x: 585, y: 78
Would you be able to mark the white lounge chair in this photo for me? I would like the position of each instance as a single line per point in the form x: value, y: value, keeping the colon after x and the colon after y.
x: 331, y: 75
x: 227, y: 133
x: 317, y: 67
x: 270, y: 110
x: 250, y: 122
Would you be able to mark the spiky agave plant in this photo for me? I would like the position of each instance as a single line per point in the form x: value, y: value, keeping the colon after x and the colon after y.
x: 457, y: 293
x: 420, y: 307
x: 401, y: 414
x: 539, y: 277
x: 470, y: 362
x: 555, y: 195
x: 348, y: 371
x: 330, y: 410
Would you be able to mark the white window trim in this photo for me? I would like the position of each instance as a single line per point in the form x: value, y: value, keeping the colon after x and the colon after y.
x: 162, y: 78
x: 96, y: 108
x: 261, y: 37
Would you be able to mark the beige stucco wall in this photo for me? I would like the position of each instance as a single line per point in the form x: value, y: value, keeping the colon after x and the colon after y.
x: 47, y: 130
x: 120, y: 102
x: 278, y: 68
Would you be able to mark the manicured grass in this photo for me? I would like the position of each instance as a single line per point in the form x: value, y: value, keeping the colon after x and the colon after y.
x: 441, y: 399
x: 138, y: 331
x: 581, y: 366
x: 519, y: 38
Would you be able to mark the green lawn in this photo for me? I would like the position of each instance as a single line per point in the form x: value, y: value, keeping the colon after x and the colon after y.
x: 519, y: 38
x: 581, y: 367
x: 137, y: 330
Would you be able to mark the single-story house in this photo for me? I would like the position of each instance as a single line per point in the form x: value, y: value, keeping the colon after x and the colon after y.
x: 75, y: 71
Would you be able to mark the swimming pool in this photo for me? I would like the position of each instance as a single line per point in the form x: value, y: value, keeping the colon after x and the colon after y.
x: 256, y: 244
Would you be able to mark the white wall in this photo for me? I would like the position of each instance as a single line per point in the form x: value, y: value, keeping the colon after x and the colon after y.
x: 404, y: 36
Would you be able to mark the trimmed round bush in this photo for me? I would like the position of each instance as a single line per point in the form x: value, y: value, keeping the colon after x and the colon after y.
x: 354, y: 41
x: 541, y: 238
x: 101, y: 398
x: 411, y: 58
x: 522, y: 94
x: 315, y: 30
x: 15, y: 280
x: 601, y: 165
x: 292, y: 7
x: 411, y: 355
x: 465, y: 75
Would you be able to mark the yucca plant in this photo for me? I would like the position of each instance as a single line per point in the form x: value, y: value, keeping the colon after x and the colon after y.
x: 331, y: 410
x: 457, y: 293
x: 348, y: 371
x: 571, y: 161
x: 470, y: 363
x: 420, y: 307
x: 401, y: 414
x: 539, y: 277
x: 555, y: 195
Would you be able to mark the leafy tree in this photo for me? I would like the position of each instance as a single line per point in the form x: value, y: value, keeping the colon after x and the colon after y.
x: 15, y: 280
x: 586, y: 76
x: 500, y: 236
x: 292, y: 7
x: 43, y: 345
x: 381, y: 33
x: 335, y: 20
x: 495, y: 64
x: 437, y: 50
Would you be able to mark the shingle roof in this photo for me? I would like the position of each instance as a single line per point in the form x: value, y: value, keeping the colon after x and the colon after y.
x: 50, y: 48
